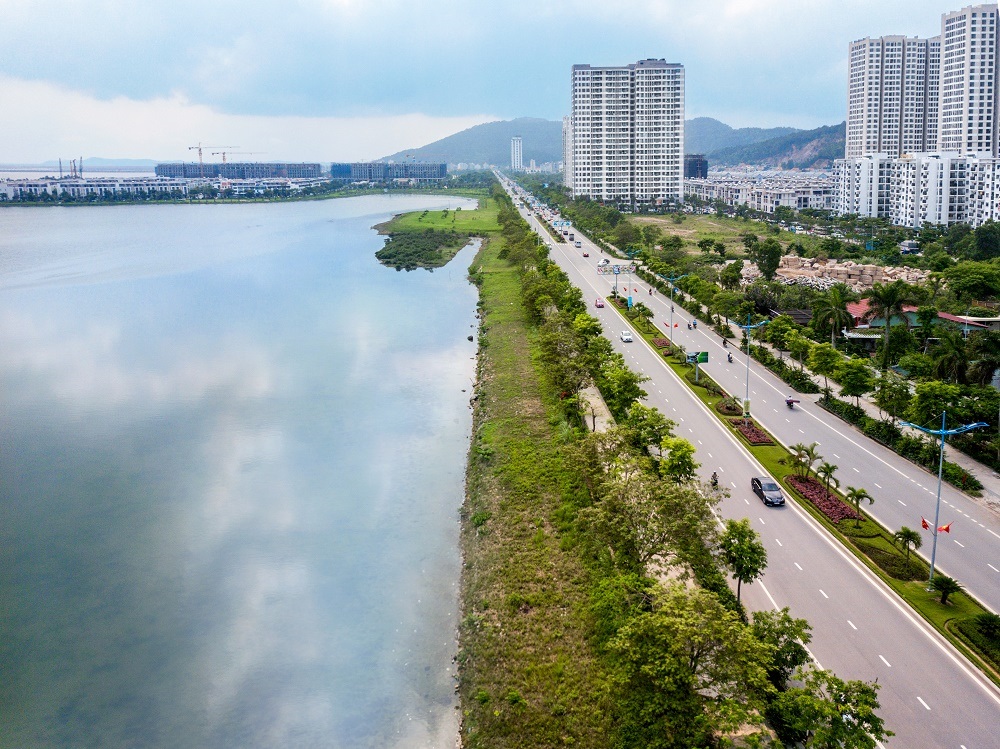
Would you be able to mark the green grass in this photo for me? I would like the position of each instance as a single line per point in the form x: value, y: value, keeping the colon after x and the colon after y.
x: 729, y: 231
x: 478, y: 222
x: 528, y: 675
x: 775, y: 459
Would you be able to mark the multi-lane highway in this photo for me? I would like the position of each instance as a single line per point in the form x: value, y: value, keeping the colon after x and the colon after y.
x: 930, y: 696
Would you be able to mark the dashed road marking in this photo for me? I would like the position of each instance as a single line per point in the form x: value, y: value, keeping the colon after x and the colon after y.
x: 992, y: 567
x: 901, y: 502
x: 920, y: 699
x: 878, y: 485
x: 851, y: 623
x: 824, y: 593
x: 797, y: 565
x: 885, y: 661
x: 778, y: 541
x: 762, y: 521
x: 959, y: 543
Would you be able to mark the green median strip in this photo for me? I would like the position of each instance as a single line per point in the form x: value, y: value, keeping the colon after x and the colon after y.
x: 872, y: 543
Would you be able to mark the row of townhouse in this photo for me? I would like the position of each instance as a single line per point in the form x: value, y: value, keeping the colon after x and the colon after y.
x: 765, y: 195
x: 918, y: 189
x: 103, y: 187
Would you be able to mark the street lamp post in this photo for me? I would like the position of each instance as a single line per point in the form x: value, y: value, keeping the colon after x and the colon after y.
x: 942, y: 432
x: 747, y: 329
x: 670, y: 281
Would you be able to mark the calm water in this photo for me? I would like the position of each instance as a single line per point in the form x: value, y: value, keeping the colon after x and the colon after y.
x: 232, y: 451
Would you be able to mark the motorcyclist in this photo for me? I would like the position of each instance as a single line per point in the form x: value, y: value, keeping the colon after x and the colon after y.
x: 725, y: 343
x: 715, y: 480
x: 729, y: 357
x: 689, y: 326
x: 790, y: 402
x: 695, y: 324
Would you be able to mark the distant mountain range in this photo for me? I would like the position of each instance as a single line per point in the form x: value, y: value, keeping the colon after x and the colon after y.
x: 721, y: 144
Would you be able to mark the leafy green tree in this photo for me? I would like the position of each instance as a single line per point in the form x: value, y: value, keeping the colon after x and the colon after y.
x: 946, y: 586
x: 831, y: 713
x: 856, y: 496
x: 830, y: 310
x: 987, y: 241
x: 678, y: 463
x: 732, y: 275
x: 973, y: 280
x: 824, y: 359
x: 687, y: 671
x: 798, y: 346
x: 887, y: 301
x: 950, y: 357
x: 825, y: 472
x: 720, y: 248
x: 743, y: 552
x: 767, y: 256
x: 787, y: 638
x: 930, y: 399
x: 647, y: 425
x: 706, y: 245
x: 652, y: 235
x: 728, y: 303
x: 750, y: 240
x: 906, y: 539
x: 784, y: 213
x: 855, y: 379
x: 778, y: 329
x: 892, y: 394
x: 984, y: 350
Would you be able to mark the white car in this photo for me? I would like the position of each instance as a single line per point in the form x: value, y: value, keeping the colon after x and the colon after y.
x: 626, y: 336
x: 603, y: 262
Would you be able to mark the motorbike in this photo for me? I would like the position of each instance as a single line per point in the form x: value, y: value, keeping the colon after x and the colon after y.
x: 790, y: 402
x: 725, y: 343
x: 729, y: 357
x: 689, y: 326
x: 715, y: 480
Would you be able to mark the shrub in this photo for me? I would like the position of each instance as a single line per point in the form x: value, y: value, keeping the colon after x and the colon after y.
x: 751, y: 432
x: 972, y: 631
x: 892, y: 563
x: 661, y: 343
x: 829, y: 504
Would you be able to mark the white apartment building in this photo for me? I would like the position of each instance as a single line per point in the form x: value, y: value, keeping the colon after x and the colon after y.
x: 627, y: 132
x: 928, y: 188
x: 862, y: 185
x: 567, y: 146
x: 765, y: 193
x: 516, y: 155
x: 968, y: 105
x: 892, y: 95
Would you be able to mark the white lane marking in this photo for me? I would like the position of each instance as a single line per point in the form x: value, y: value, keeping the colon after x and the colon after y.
x: 762, y: 521
x: 852, y: 624
x: 884, y: 660
x: 992, y: 567
x: 923, y: 703
x: 700, y: 442
x: 778, y: 541
x: 691, y: 430
x: 787, y: 421
x: 836, y: 456
x: 901, y: 502
x: 797, y: 565
x: 745, y: 500
x: 801, y: 432
x: 855, y: 469
x: 710, y: 455
x: 878, y: 485
x: 824, y: 594
x: 959, y: 543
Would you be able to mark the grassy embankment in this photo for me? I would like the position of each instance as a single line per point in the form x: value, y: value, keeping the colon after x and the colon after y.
x: 695, y: 227
x: 868, y: 540
x: 529, y: 676
x: 429, y: 239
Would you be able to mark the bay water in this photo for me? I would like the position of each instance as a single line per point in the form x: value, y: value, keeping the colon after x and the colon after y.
x: 232, y: 451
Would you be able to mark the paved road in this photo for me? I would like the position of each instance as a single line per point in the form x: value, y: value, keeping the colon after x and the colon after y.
x: 930, y: 696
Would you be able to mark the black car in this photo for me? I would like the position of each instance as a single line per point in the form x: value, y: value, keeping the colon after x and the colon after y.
x: 768, y: 490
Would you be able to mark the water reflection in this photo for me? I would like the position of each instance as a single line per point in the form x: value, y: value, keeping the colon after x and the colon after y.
x: 229, y: 476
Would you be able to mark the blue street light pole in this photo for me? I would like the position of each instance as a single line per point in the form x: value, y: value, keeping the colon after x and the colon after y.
x: 670, y: 280
x: 747, y: 329
x: 942, y: 432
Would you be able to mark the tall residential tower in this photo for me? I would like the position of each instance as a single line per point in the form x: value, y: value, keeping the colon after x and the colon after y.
x: 968, y: 108
x: 627, y: 132
x: 516, y: 155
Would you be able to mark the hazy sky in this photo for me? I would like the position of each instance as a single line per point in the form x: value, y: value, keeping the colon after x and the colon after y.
x: 331, y: 80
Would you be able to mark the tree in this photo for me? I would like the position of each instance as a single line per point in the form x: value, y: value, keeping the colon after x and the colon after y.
x: 706, y: 245
x: 732, y: 275
x: 778, y: 329
x: 824, y: 359
x: 984, y: 349
x: 825, y: 472
x: 648, y: 426
x: 831, y: 310
x: 906, y: 539
x: 946, y: 586
x: 856, y: 496
x: 855, y: 378
x: 951, y: 359
x: 750, y: 240
x: 887, y: 302
x: 892, y: 394
x: 767, y: 256
x: 832, y: 713
x: 678, y: 463
x: 743, y: 552
x: 787, y: 638
x: 798, y: 346
x: 642, y: 312
x: 620, y: 386
x: 973, y: 280
x: 687, y: 671
x: 987, y: 241
x: 930, y: 399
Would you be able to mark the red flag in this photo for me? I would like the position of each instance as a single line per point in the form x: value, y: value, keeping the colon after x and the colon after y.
x: 924, y: 524
x: 945, y: 528
x: 676, y: 324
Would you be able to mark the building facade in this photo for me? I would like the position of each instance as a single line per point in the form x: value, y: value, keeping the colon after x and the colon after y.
x: 567, y: 147
x: 516, y: 154
x: 695, y: 166
x: 240, y: 170
x: 968, y: 105
x: 627, y: 133
x: 767, y: 193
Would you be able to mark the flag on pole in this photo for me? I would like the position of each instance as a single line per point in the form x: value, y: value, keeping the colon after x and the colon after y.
x: 676, y: 324
x: 924, y: 524
x: 945, y: 528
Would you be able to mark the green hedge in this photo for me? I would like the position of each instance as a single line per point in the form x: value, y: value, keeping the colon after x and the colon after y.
x: 987, y: 646
x: 892, y: 563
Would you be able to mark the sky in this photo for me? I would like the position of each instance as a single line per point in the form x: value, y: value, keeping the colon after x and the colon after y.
x: 343, y: 80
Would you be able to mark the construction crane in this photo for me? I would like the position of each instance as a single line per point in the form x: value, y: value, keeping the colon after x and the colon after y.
x: 235, y: 153
x: 201, y: 164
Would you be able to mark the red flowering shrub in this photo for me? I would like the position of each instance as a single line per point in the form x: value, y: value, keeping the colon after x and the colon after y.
x: 754, y: 434
x: 830, y: 505
x: 661, y: 342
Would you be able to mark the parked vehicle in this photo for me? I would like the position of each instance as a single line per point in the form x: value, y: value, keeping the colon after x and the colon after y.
x: 768, y: 490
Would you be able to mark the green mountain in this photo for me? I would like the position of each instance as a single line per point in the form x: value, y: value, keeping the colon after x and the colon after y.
x: 489, y: 143
x: 803, y: 149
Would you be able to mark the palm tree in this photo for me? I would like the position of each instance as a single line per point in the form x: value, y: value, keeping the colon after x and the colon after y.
x: 825, y: 472
x: 831, y: 309
x: 984, y: 349
x: 945, y: 586
x: 951, y: 357
x: 811, y: 456
x: 642, y: 312
x: 906, y: 539
x: 887, y: 300
x: 856, y: 496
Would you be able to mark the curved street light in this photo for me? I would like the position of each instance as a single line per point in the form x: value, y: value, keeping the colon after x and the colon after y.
x: 942, y: 433
x: 747, y: 330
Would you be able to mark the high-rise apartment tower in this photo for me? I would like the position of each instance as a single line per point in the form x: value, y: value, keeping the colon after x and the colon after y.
x: 627, y: 132
x: 516, y: 155
x: 968, y: 108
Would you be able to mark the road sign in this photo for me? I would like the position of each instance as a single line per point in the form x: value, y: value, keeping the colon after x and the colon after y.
x: 697, y: 357
x: 616, y: 269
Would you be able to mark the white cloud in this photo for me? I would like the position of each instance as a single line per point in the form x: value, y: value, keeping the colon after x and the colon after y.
x: 42, y: 121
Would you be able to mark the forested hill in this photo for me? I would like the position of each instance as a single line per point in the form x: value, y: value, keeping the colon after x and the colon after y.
x: 489, y: 143
x: 804, y: 149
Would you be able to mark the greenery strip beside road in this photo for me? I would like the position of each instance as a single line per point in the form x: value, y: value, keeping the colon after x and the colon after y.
x: 961, y: 619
